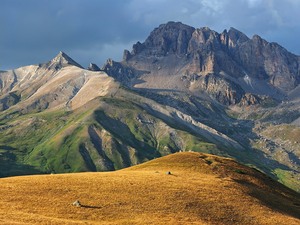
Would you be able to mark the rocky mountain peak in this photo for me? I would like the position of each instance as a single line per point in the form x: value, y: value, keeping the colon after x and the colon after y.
x: 172, y: 37
x: 229, y: 66
x: 167, y: 30
x: 61, y: 60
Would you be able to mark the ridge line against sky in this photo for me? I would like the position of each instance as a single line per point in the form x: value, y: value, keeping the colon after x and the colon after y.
x: 34, y: 31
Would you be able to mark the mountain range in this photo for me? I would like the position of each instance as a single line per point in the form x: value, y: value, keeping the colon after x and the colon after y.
x: 182, y: 89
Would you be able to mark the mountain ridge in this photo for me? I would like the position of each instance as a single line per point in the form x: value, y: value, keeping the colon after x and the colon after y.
x: 229, y: 57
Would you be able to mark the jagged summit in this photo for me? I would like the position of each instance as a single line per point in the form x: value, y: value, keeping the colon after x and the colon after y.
x: 170, y: 37
x: 181, y: 57
x: 61, y: 60
x: 181, y: 39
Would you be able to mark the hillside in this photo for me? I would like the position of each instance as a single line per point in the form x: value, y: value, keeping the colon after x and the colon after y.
x: 201, y: 189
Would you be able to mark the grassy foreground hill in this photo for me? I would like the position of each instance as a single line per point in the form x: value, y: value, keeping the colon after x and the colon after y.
x: 201, y: 189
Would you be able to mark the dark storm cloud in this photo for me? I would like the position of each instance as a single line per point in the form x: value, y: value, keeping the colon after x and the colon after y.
x: 34, y: 31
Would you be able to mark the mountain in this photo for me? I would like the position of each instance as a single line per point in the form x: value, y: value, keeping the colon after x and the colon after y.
x: 181, y: 188
x: 228, y: 66
x: 183, y: 89
x: 50, y: 85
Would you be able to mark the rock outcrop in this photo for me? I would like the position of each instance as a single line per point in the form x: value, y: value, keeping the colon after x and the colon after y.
x: 93, y: 67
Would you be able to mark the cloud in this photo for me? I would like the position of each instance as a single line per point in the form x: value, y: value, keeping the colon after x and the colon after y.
x: 33, y: 30
x: 46, y: 27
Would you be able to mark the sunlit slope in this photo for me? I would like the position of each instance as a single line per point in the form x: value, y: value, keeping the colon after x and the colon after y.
x: 201, y: 189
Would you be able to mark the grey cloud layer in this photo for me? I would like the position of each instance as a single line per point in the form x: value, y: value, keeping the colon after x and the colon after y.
x: 33, y: 31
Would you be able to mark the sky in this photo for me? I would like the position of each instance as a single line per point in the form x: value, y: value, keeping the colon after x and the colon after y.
x: 34, y: 31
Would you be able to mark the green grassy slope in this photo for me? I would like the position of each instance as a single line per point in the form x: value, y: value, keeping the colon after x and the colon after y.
x: 111, y: 133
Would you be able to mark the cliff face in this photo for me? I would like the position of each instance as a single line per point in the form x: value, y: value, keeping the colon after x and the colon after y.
x: 178, y: 56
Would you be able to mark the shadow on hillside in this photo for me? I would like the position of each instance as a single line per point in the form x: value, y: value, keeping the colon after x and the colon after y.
x: 6, y: 147
x: 278, y: 198
x: 9, y: 166
x: 121, y: 131
x: 10, y: 169
x: 279, y: 202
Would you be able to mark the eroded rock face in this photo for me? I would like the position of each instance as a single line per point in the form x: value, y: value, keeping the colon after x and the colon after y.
x: 119, y: 71
x: 264, y: 60
x: 223, y: 90
x: 167, y: 39
x: 249, y: 99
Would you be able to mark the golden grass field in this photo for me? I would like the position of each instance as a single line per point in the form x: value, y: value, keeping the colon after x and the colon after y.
x: 201, y: 189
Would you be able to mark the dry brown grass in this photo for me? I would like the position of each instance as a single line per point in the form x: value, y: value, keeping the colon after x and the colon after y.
x: 202, y: 189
